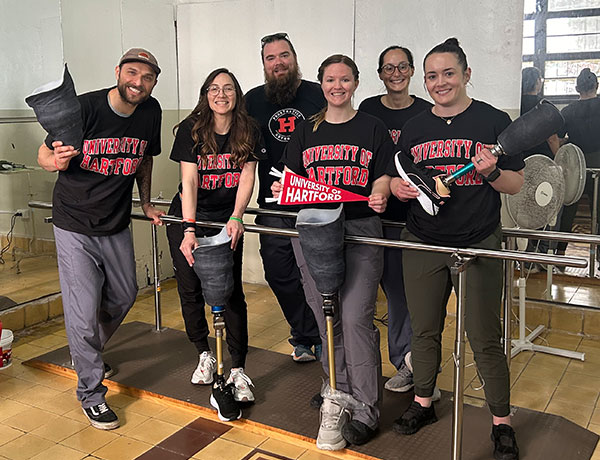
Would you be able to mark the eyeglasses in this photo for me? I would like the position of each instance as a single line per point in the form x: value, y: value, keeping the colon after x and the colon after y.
x: 214, y: 90
x: 403, y: 67
x: 273, y: 37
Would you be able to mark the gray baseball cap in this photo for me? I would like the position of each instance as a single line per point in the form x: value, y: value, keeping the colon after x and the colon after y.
x: 140, y: 55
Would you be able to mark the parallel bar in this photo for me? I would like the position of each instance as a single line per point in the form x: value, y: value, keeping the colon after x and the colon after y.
x: 6, y: 120
x: 593, y: 247
x: 509, y: 273
x: 506, y: 232
x: 459, y: 268
x: 156, y: 267
x: 463, y: 252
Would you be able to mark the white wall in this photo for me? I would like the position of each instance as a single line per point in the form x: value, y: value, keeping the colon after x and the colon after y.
x: 227, y: 34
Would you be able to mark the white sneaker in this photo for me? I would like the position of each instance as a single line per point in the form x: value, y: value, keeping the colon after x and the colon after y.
x: 207, y: 365
x: 242, y: 382
x: 437, y: 394
x: 333, y: 419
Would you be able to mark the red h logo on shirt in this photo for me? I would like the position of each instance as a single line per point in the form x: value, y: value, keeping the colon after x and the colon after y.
x: 287, y: 124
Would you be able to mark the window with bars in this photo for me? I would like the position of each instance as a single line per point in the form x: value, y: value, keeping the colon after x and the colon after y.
x: 561, y: 37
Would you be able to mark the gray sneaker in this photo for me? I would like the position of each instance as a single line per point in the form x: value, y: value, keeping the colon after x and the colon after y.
x: 333, y: 419
x: 402, y: 381
x: 407, y: 364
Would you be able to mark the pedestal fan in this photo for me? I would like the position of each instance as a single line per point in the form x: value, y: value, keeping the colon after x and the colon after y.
x: 548, y: 186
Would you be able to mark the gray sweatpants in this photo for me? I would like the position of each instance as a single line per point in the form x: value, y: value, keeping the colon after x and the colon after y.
x: 98, y: 284
x: 356, y: 339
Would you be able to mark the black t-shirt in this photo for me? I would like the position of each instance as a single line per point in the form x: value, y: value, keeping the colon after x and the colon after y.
x: 93, y: 195
x: 473, y: 211
x: 582, y: 123
x: 394, y: 119
x: 218, y: 179
x: 528, y: 102
x: 350, y: 156
x: 277, y: 123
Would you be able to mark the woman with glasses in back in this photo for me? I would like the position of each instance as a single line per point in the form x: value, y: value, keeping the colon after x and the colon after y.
x: 217, y: 146
x: 394, y: 108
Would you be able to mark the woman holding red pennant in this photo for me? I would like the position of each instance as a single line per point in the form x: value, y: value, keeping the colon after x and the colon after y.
x: 455, y: 132
x: 348, y: 149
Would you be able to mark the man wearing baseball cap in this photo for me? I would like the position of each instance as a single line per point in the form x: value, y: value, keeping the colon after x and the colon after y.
x: 91, y: 214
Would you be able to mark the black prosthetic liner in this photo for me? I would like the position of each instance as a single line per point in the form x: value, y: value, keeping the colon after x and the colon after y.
x: 58, y: 110
x: 321, y: 234
x: 531, y: 128
x: 213, y: 264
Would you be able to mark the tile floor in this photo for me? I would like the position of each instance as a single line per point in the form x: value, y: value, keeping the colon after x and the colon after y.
x: 41, y: 419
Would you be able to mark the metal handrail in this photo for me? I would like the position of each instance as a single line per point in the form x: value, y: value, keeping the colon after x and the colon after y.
x: 506, y: 231
x: 6, y: 120
x: 464, y: 252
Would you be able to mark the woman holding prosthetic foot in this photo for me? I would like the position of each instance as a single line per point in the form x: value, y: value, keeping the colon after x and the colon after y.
x: 455, y: 132
x: 311, y: 153
x: 217, y: 146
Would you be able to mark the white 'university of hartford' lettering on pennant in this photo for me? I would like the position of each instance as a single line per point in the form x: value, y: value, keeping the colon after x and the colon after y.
x: 300, y: 190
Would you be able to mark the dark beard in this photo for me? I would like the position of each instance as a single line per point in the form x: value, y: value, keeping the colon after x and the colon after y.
x: 282, y: 91
x: 122, y: 88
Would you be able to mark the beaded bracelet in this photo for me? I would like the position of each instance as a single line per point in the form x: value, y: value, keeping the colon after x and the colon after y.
x: 237, y: 219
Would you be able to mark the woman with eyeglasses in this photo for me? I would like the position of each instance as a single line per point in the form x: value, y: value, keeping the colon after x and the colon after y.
x: 457, y: 131
x: 217, y: 146
x: 395, y: 108
x: 348, y: 149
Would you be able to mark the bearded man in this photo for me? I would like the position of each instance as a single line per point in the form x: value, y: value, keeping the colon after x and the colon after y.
x: 278, y: 106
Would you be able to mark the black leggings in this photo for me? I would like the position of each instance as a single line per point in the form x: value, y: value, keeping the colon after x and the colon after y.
x: 192, y: 302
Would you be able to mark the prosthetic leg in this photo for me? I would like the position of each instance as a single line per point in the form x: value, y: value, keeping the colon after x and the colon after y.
x: 321, y: 234
x: 213, y: 264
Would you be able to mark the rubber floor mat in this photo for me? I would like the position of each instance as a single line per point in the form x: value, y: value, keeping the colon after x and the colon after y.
x: 162, y: 363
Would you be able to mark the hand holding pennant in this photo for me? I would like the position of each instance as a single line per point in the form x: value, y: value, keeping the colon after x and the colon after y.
x: 295, y: 190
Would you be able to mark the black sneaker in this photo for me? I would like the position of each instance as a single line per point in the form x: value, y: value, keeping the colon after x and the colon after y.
x: 415, y: 418
x: 223, y: 400
x: 357, y: 433
x: 505, y: 443
x: 102, y: 417
x: 108, y: 371
x: 316, y: 401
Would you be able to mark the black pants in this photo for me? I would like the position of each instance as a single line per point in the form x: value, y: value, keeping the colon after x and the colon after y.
x: 283, y: 276
x: 192, y: 302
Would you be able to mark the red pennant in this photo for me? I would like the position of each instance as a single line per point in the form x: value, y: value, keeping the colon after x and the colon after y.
x: 300, y: 190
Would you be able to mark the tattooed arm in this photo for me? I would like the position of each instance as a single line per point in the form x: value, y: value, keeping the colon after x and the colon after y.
x: 143, y: 177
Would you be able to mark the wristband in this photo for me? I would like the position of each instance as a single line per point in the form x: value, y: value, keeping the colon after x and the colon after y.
x: 187, y: 225
x: 193, y: 221
x: 237, y: 219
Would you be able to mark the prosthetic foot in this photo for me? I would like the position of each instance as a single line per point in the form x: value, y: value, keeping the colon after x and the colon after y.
x: 222, y: 397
